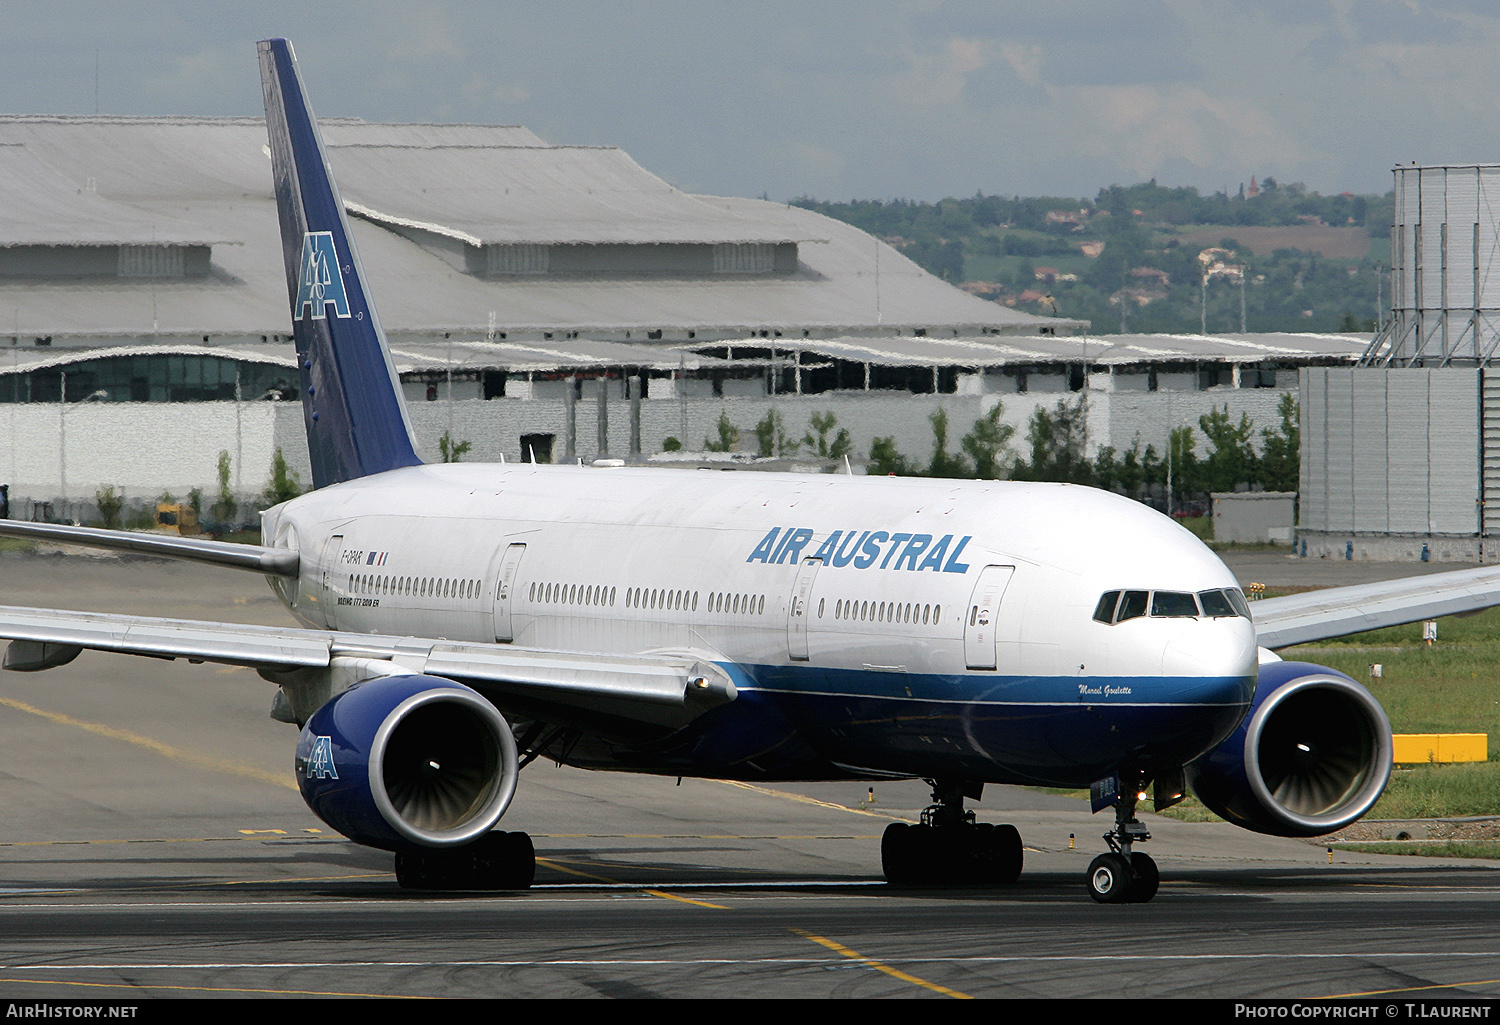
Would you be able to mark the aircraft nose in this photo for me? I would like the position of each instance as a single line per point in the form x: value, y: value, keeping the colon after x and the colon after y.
x: 1220, y: 647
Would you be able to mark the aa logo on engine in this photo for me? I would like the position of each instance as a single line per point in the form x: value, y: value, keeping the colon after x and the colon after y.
x: 320, y: 761
x: 320, y: 281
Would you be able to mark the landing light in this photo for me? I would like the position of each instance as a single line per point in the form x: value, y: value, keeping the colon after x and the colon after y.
x: 1304, y: 747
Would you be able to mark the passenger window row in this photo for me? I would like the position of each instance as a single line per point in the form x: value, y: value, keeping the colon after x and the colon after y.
x: 661, y: 598
x: 737, y: 604
x: 1118, y: 606
x: 884, y: 612
x: 572, y: 594
x: 417, y: 587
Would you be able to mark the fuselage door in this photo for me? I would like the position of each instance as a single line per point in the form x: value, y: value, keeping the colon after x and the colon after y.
x: 982, y: 616
x: 505, y: 584
x: 798, y: 616
x: 328, y: 595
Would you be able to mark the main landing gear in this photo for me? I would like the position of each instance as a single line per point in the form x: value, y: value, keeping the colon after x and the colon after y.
x: 496, y: 861
x: 1122, y: 876
x: 949, y: 847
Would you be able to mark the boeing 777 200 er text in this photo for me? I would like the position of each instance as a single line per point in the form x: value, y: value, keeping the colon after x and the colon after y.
x: 462, y: 620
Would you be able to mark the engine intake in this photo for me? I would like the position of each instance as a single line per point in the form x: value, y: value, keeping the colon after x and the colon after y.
x: 408, y: 763
x: 1313, y: 755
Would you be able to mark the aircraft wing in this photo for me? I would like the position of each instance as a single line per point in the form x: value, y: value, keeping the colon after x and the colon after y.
x: 281, y: 562
x: 1337, y: 611
x: 641, y: 689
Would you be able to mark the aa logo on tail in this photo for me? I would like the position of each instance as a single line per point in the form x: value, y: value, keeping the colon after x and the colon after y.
x: 320, y: 281
x: 320, y: 763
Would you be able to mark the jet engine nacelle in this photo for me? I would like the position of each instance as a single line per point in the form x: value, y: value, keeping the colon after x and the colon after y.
x: 1313, y: 755
x: 407, y: 763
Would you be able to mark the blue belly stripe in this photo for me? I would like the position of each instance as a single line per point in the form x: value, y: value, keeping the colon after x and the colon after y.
x: 981, y: 688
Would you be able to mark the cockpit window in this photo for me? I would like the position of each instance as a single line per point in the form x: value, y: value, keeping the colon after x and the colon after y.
x: 1216, y: 604
x: 1104, y: 612
x: 1237, y: 599
x: 1133, y: 605
x: 1219, y: 603
x: 1173, y: 604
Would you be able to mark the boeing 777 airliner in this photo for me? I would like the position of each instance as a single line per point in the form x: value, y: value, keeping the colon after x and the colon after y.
x: 462, y: 620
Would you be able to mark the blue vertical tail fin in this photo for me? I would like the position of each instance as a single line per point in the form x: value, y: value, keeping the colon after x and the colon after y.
x: 351, y: 396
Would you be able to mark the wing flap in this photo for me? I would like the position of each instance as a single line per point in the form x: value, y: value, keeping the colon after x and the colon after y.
x: 1338, y: 611
x: 658, y: 681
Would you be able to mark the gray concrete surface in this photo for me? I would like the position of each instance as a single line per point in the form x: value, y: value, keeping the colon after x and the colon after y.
x: 1279, y: 568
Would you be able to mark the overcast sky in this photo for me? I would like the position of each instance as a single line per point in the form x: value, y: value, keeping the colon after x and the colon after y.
x: 839, y: 99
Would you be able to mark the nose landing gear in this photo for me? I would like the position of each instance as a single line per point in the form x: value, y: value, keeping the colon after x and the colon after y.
x: 1123, y: 876
x: 949, y: 847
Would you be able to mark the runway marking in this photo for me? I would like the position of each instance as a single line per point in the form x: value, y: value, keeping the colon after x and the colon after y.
x: 165, y: 839
x: 330, y: 839
x: 136, y: 987
x: 803, y: 799
x: 895, y: 973
x: 187, y: 757
x: 552, y: 863
x: 663, y: 962
x: 1411, y: 989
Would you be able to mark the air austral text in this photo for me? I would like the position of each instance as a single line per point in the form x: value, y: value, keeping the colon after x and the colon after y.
x: 862, y: 550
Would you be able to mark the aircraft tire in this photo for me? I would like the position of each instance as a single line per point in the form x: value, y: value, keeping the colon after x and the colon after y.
x: 424, y: 871
x: 1003, y: 854
x: 898, y: 855
x: 1109, y: 879
x: 496, y: 861
x: 504, y: 861
x: 1147, y: 878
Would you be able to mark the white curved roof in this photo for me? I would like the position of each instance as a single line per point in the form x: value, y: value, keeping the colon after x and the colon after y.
x: 215, y: 174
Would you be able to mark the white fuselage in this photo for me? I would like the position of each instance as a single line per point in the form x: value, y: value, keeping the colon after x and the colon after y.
x: 721, y: 566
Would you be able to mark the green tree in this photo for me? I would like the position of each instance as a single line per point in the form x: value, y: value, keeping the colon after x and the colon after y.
x: 1127, y: 472
x: 224, y: 507
x: 841, y: 445
x: 1057, y: 444
x: 988, y: 444
x: 942, y: 463
x: 729, y: 436
x: 671, y: 445
x: 110, y: 502
x: 452, y: 451
x: 1232, y: 460
x: 770, y: 437
x: 1182, y: 464
x: 1281, y: 448
x: 284, y: 484
x: 884, y: 459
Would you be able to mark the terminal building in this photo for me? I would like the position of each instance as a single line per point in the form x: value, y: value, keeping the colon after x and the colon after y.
x: 529, y: 292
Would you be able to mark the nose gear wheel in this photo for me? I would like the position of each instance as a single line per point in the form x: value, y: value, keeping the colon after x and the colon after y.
x: 1123, y: 876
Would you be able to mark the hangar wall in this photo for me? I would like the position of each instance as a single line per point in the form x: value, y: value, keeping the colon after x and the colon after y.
x: 63, y: 454
x: 1394, y: 463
